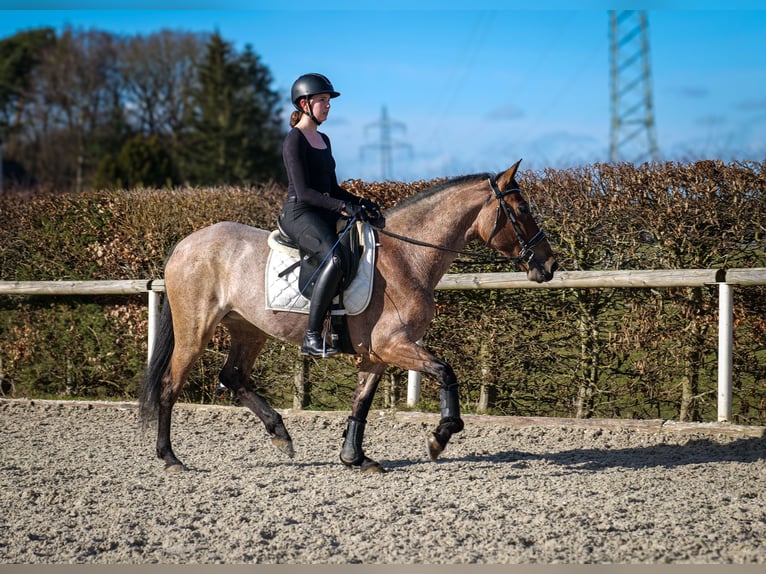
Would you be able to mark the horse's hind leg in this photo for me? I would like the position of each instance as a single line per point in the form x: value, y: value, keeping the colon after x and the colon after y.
x: 246, y: 343
x: 190, y: 340
x: 172, y: 384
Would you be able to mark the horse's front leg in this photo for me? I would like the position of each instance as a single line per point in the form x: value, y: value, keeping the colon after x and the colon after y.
x: 351, y: 453
x: 412, y: 357
x: 450, y: 422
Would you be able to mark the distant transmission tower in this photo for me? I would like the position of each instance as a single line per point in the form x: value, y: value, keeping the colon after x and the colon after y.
x: 386, y: 146
x: 633, y: 136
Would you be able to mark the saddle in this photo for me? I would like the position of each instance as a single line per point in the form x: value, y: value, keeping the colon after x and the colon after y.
x: 349, y: 238
x: 290, y: 273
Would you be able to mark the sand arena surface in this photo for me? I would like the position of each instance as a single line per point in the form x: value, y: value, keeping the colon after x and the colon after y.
x: 79, y: 483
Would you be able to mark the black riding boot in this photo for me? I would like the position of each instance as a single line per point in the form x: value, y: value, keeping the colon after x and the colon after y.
x: 325, y: 288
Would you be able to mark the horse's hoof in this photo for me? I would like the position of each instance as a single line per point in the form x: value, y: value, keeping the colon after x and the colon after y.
x: 435, y: 448
x: 283, y: 445
x: 370, y: 466
x: 175, y: 467
x: 367, y: 466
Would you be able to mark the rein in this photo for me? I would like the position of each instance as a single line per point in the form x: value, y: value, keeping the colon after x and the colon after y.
x: 526, y: 254
x: 477, y: 259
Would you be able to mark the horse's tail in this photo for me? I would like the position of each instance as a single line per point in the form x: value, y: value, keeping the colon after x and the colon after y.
x: 164, y: 343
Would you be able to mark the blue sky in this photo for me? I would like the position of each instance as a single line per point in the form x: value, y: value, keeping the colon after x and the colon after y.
x: 476, y: 86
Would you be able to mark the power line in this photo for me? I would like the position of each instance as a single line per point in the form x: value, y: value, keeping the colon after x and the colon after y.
x: 459, y: 72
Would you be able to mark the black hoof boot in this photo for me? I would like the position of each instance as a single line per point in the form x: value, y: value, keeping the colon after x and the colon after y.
x: 314, y: 344
x: 351, y: 453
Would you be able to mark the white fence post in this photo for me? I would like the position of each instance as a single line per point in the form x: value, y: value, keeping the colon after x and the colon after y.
x: 725, y: 322
x: 413, y: 386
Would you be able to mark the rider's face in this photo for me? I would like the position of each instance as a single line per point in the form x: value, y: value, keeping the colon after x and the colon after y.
x: 320, y: 106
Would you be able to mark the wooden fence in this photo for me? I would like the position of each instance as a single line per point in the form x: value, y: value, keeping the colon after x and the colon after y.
x: 726, y: 280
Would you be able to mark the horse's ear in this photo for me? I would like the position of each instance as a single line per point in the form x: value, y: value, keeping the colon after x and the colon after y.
x: 505, y: 179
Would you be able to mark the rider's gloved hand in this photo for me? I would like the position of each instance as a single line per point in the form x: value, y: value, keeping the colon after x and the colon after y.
x: 354, y: 210
x: 374, y: 215
x: 370, y: 205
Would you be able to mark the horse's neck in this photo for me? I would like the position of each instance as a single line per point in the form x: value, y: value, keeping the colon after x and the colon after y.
x: 446, y: 221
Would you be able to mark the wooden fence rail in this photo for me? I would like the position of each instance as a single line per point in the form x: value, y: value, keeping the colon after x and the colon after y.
x: 726, y: 279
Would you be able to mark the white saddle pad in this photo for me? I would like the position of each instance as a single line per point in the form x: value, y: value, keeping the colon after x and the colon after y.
x: 282, y: 293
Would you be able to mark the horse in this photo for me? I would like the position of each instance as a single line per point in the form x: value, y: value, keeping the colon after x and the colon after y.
x: 216, y: 276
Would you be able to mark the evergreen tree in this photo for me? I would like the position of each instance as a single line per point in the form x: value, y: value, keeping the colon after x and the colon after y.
x: 234, y: 136
x: 142, y: 162
x: 19, y: 56
x: 70, y: 104
x: 263, y: 109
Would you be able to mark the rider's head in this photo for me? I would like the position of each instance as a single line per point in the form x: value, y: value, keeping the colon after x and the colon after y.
x: 309, y: 85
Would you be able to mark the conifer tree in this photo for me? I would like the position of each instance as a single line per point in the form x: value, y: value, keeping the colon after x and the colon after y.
x: 234, y: 134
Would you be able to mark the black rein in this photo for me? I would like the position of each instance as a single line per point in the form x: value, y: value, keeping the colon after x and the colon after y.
x: 526, y: 254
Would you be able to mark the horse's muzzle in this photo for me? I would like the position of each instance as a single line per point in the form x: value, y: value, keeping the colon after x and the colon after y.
x: 541, y: 272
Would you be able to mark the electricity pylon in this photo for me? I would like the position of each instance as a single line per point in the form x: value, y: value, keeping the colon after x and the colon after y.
x: 633, y: 135
x: 385, y: 146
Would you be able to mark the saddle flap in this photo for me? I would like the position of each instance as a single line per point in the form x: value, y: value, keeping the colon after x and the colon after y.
x: 350, y: 241
x: 284, y: 294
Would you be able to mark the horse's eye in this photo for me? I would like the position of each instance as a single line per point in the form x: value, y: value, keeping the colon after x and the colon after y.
x: 524, y: 208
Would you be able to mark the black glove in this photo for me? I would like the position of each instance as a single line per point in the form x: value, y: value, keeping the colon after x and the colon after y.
x: 354, y: 210
x: 369, y: 205
x: 374, y: 215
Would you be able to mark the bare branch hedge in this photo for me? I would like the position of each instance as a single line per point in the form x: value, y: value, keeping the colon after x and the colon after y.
x: 633, y: 353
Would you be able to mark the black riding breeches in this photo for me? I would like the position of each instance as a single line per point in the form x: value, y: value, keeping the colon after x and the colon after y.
x: 315, y: 231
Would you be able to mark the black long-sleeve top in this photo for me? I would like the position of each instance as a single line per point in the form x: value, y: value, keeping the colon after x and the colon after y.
x: 311, y: 174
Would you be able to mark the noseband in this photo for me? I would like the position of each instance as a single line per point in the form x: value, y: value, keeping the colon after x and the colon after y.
x: 526, y: 255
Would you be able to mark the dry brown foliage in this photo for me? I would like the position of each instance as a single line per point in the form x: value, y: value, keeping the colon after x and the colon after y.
x: 606, y: 352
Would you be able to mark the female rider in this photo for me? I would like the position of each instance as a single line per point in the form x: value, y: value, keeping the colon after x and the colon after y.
x: 315, y: 201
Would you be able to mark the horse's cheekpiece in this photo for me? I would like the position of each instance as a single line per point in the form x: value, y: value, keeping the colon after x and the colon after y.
x: 283, y: 273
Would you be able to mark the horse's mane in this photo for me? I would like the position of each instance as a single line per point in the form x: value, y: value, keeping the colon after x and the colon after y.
x: 438, y: 188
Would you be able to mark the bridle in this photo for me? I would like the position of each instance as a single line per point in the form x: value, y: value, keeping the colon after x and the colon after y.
x: 526, y: 255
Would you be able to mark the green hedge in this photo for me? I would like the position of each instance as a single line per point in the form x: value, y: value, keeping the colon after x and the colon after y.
x: 634, y: 353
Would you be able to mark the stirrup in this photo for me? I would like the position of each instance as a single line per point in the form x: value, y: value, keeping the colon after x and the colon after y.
x: 314, y: 344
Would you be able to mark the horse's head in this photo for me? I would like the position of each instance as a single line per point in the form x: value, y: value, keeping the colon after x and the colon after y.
x: 507, y: 225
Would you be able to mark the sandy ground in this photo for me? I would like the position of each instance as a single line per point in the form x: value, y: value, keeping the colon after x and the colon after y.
x: 79, y: 483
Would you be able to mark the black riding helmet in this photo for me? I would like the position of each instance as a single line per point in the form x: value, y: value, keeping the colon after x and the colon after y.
x: 309, y: 85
